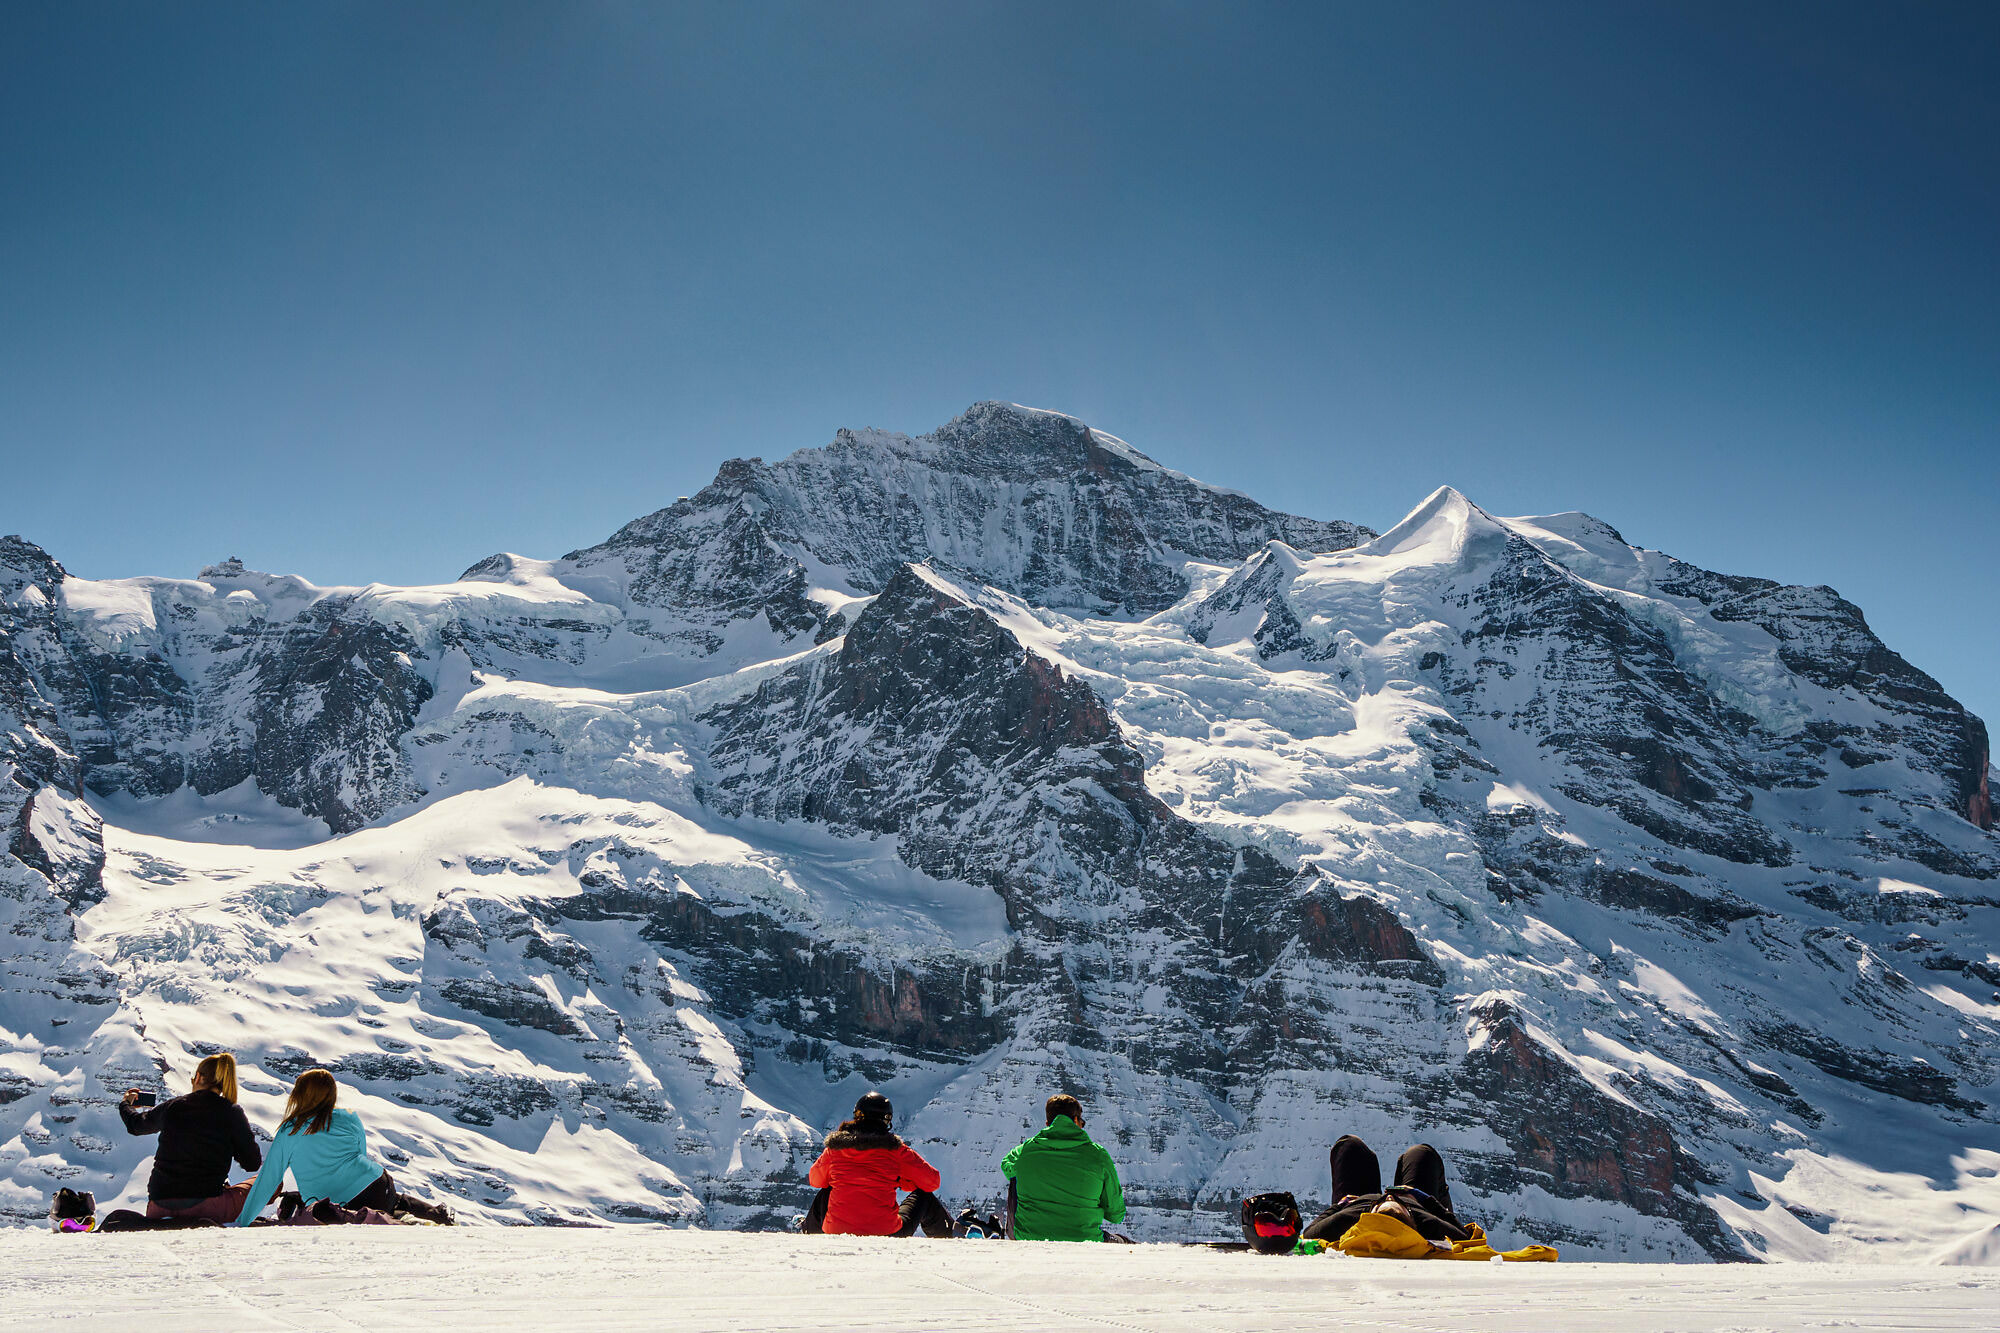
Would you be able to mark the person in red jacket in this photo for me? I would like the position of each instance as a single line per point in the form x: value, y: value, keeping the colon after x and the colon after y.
x: 859, y: 1173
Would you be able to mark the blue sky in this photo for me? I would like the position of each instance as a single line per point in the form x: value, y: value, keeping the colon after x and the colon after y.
x: 369, y: 291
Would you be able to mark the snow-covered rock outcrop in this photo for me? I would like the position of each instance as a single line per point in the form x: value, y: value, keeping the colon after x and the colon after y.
x: 1666, y: 902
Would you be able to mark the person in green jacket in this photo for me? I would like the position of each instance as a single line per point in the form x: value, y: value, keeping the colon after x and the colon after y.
x: 1065, y: 1185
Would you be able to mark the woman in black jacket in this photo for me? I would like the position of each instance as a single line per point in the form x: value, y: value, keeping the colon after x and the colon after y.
x: 199, y: 1134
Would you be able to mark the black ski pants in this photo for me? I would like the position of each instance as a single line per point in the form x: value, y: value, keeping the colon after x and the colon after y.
x: 1356, y: 1170
x: 1357, y: 1187
x: 384, y: 1197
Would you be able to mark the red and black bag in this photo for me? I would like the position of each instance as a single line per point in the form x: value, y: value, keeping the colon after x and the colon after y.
x: 1271, y: 1223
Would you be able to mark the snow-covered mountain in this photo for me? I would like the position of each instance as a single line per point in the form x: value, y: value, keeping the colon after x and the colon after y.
x: 1002, y: 759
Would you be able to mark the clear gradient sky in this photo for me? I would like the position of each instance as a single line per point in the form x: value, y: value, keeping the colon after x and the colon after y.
x: 366, y: 292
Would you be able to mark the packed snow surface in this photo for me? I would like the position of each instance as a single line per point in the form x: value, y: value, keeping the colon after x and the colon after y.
x: 645, y: 1279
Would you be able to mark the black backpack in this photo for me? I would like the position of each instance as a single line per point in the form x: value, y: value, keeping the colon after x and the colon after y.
x: 1271, y: 1223
x: 72, y: 1206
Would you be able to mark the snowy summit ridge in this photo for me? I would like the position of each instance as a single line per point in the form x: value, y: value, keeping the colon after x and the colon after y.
x: 976, y: 764
x: 1035, y: 503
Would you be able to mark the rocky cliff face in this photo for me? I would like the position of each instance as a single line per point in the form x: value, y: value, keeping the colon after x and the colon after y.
x: 156, y: 684
x: 990, y: 766
x: 1663, y: 901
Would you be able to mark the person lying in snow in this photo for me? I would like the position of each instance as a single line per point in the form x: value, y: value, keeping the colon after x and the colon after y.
x: 199, y: 1135
x: 858, y: 1174
x: 327, y: 1152
x: 1420, y: 1197
x: 1064, y: 1184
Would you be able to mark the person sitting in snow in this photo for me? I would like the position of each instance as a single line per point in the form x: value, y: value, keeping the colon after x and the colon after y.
x: 199, y: 1135
x: 327, y: 1152
x: 1420, y: 1196
x: 858, y: 1174
x: 1064, y: 1185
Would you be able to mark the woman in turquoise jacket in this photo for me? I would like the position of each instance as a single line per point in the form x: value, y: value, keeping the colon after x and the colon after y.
x: 326, y: 1151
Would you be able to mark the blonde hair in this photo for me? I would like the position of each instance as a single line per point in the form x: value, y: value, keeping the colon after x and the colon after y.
x: 219, y: 1072
x: 309, y: 1110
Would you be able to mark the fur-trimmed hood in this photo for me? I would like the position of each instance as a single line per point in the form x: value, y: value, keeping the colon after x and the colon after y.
x: 863, y: 1140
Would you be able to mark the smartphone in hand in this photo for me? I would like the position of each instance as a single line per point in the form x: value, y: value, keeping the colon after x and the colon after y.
x: 145, y: 1098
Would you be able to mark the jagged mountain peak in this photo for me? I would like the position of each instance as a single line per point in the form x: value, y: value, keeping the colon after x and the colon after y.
x: 1030, y: 501
x: 997, y: 414
x: 1011, y: 440
x: 1445, y: 526
x: 507, y: 567
x: 917, y: 572
x: 281, y: 593
x: 1572, y: 525
x: 1281, y: 556
x: 992, y: 440
x: 22, y: 563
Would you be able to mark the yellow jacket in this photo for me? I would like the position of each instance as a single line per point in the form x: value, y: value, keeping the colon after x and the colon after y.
x: 1380, y: 1236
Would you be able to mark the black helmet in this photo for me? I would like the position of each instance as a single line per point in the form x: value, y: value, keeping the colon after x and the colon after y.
x: 1271, y: 1223
x: 874, y: 1106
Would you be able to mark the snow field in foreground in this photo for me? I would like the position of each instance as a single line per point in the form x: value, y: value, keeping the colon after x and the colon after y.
x: 649, y: 1279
